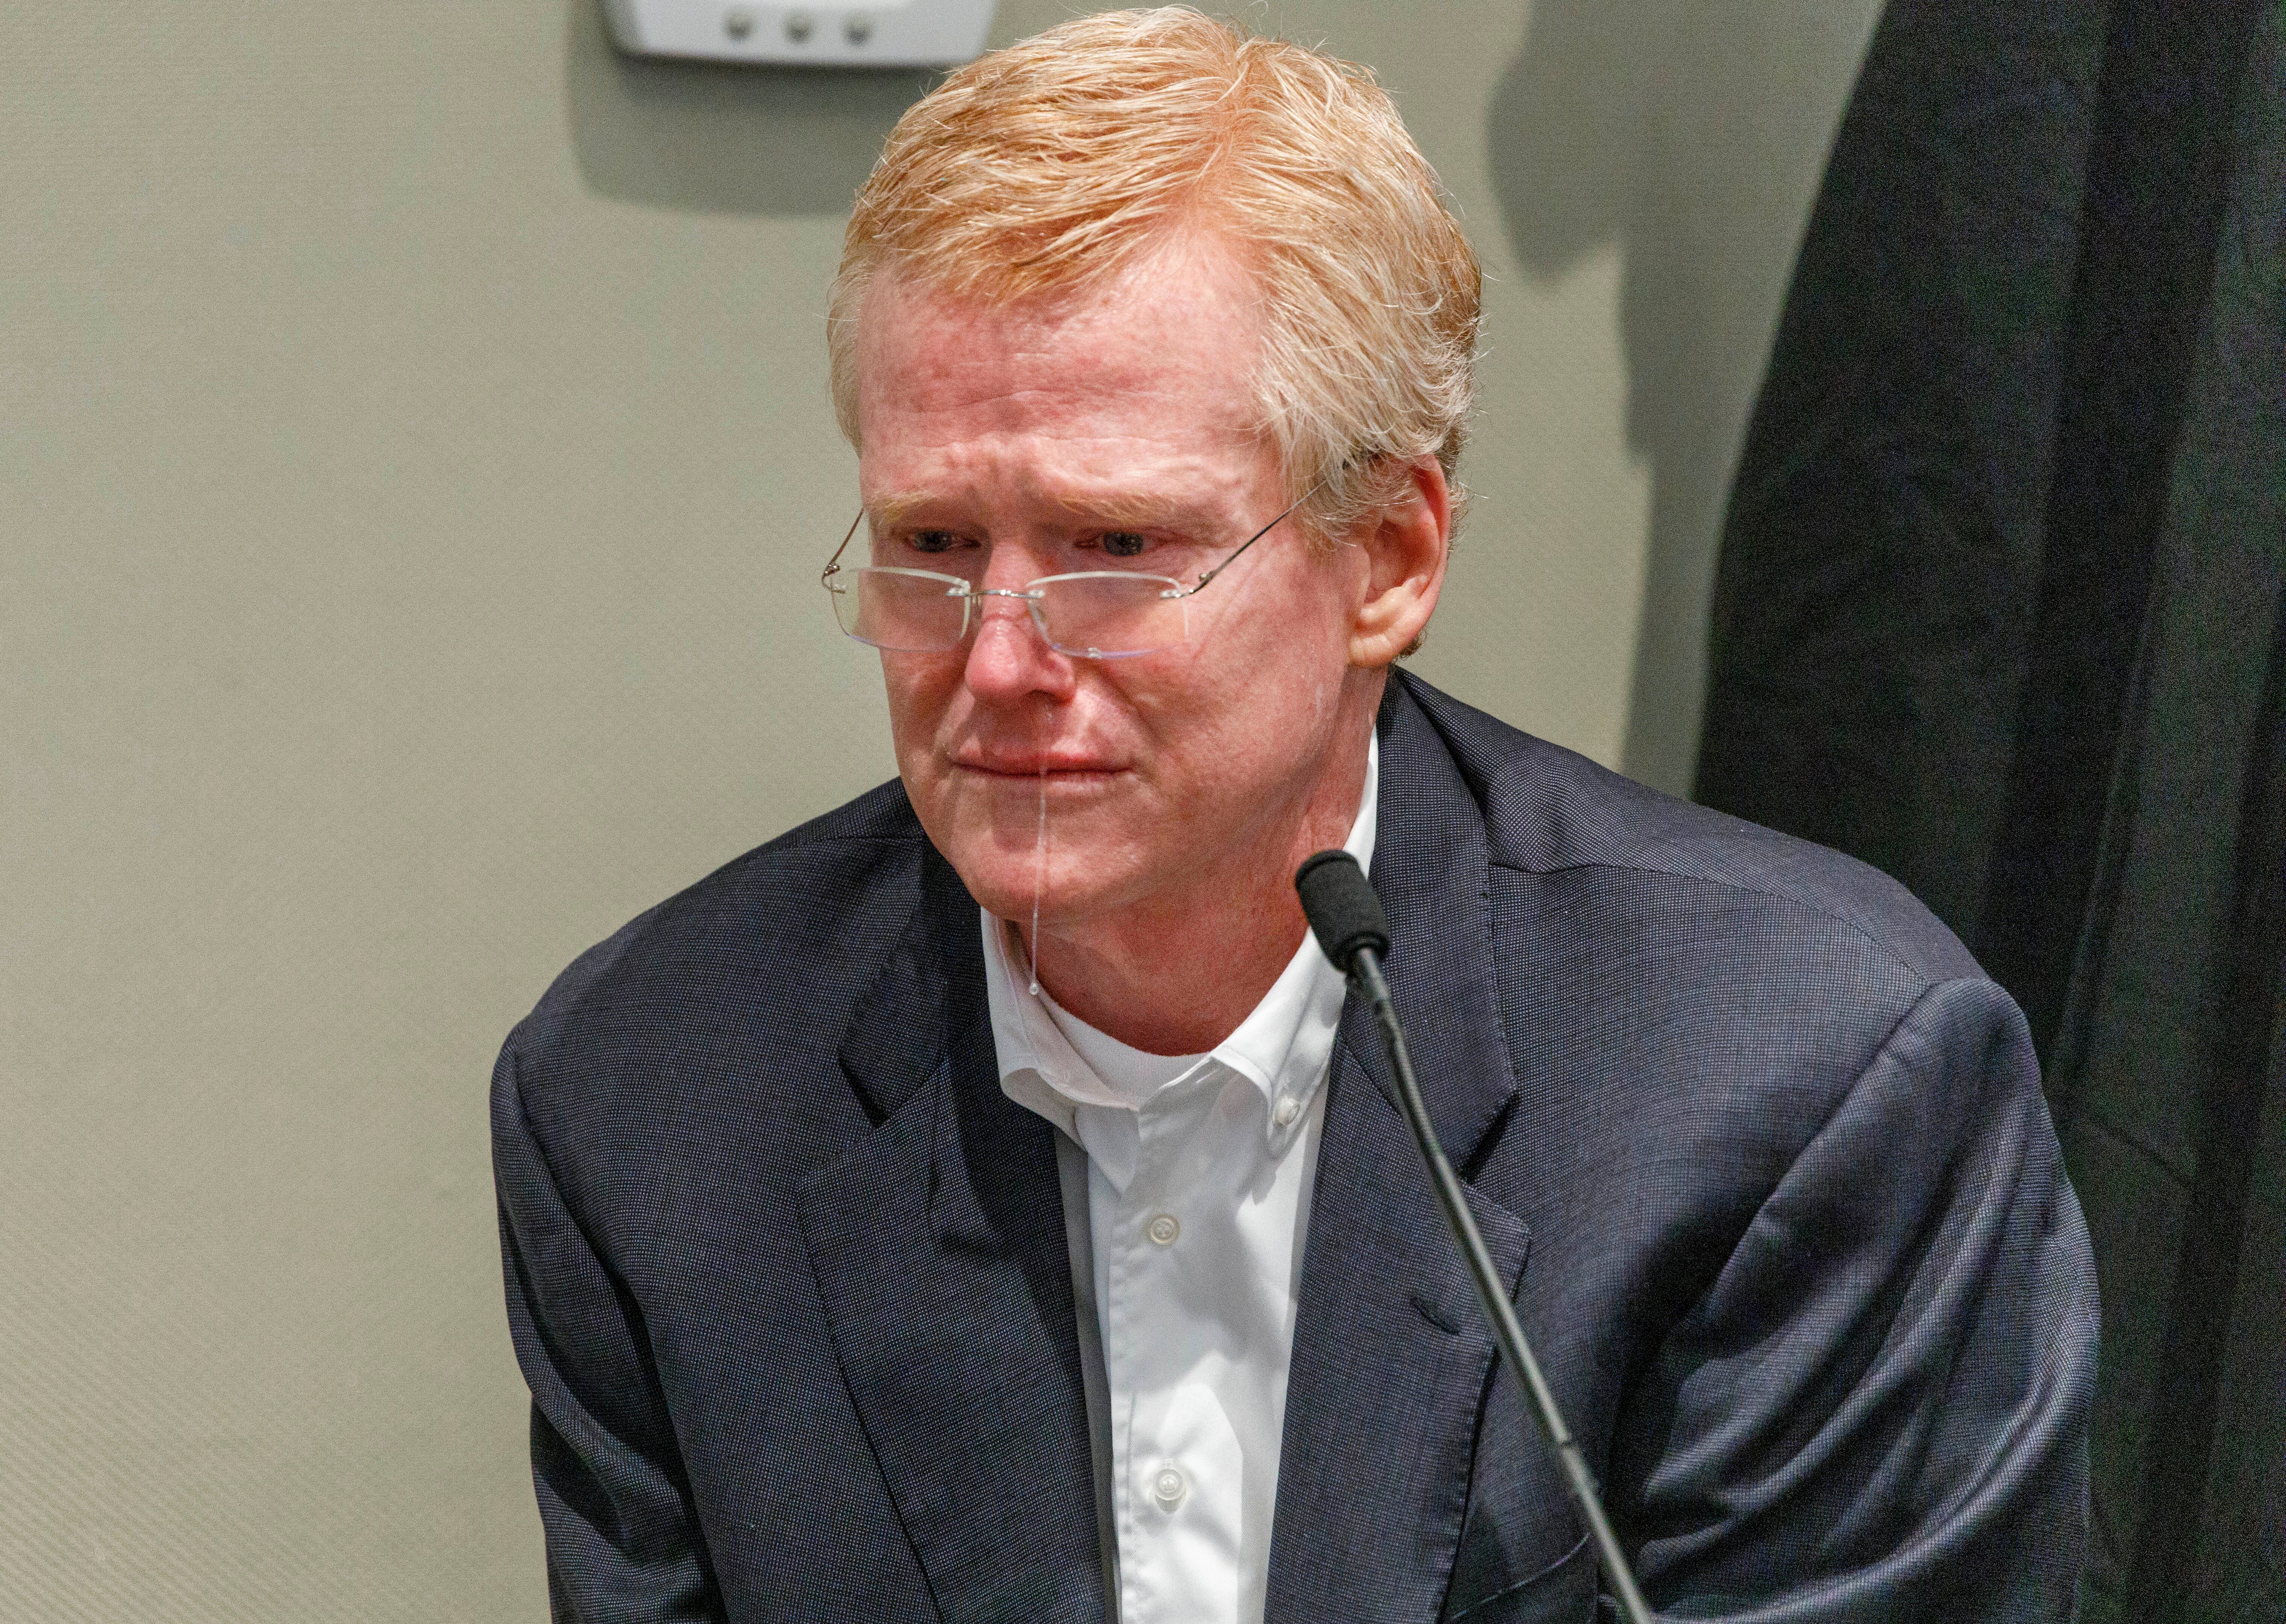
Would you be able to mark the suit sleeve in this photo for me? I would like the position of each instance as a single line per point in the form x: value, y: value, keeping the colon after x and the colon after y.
x: 1878, y: 1409
x: 623, y: 1541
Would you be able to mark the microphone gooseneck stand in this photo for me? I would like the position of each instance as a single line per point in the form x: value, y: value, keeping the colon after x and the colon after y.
x: 1346, y: 915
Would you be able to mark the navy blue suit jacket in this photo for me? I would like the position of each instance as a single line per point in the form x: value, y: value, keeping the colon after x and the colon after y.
x: 1760, y: 1150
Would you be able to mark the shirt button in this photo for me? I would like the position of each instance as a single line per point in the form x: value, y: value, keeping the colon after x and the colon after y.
x: 1288, y: 1109
x: 1163, y: 1231
x: 1167, y: 1488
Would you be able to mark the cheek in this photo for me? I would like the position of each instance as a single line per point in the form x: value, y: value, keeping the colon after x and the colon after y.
x: 1285, y: 654
x: 1243, y: 716
x: 920, y: 688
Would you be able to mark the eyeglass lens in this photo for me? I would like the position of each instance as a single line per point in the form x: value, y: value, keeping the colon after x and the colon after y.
x: 1098, y: 616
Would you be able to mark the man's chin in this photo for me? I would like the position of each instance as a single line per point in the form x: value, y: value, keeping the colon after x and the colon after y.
x: 1073, y: 886
x: 1008, y: 891
x: 988, y: 828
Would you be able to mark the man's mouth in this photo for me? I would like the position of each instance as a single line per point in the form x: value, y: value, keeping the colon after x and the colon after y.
x: 1036, y: 766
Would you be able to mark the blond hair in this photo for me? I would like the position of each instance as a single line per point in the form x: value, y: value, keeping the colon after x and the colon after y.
x: 1049, y: 167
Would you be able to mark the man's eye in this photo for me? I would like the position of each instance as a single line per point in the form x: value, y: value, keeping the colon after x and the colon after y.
x: 1122, y: 543
x: 932, y: 541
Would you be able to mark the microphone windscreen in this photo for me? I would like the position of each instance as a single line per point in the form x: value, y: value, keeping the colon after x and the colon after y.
x: 1343, y: 908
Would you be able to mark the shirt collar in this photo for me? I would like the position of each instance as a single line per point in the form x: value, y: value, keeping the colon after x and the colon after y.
x: 1283, y: 1047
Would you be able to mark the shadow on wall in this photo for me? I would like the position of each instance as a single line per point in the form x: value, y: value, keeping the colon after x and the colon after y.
x: 715, y: 140
x: 1693, y: 137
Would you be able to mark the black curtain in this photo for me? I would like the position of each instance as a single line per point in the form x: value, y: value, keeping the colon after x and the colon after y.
x: 1998, y: 609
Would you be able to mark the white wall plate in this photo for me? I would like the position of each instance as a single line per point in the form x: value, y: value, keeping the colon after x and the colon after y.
x: 846, y: 33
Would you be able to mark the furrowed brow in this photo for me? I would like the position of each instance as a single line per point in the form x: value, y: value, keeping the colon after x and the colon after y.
x: 895, y: 508
x: 1140, y: 510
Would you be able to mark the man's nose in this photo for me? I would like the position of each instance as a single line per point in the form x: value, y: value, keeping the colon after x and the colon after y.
x: 1008, y: 658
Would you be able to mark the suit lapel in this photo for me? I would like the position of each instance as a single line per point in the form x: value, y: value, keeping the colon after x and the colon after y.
x: 1432, y: 866
x: 940, y: 1252
x: 1391, y: 1360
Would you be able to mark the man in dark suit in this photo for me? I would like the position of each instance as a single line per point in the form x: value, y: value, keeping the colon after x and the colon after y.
x: 981, y: 1204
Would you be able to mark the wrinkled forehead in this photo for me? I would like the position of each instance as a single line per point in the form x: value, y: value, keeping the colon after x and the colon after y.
x: 1166, y: 355
x: 1193, y: 296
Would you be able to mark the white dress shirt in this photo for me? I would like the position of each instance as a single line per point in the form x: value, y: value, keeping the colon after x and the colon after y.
x: 1199, y: 1174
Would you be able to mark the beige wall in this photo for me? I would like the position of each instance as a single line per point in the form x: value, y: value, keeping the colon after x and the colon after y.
x: 415, y: 460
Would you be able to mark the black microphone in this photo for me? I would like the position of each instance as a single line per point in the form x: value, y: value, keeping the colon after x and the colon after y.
x: 1345, y: 915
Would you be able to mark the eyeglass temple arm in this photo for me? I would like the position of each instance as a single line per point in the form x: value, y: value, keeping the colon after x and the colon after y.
x: 1250, y: 540
x: 834, y: 565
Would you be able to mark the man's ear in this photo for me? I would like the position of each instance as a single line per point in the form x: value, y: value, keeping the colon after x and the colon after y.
x: 1407, y: 541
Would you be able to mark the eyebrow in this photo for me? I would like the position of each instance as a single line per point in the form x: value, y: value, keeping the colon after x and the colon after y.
x: 1112, y: 507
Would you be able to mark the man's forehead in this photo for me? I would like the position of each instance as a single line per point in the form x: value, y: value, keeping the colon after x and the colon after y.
x: 1135, y: 407
x: 1187, y: 309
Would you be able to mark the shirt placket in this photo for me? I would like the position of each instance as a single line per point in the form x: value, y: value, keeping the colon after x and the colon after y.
x: 1169, y: 1482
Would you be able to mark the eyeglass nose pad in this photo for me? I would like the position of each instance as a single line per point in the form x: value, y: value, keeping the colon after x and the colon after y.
x: 1017, y: 608
x: 987, y: 598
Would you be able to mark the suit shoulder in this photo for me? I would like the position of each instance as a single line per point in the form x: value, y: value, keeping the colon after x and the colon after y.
x: 1547, y: 809
x: 805, y: 907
